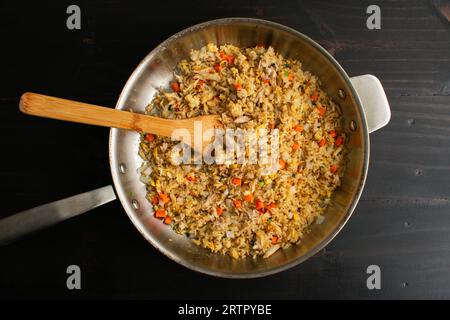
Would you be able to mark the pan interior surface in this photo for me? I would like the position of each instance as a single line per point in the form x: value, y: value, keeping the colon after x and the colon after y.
x: 156, y: 71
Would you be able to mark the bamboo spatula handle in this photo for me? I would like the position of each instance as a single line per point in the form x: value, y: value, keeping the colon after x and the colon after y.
x: 68, y: 110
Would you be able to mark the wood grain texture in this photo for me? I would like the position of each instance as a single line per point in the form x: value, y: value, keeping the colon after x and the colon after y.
x: 74, y: 111
x: 402, y: 222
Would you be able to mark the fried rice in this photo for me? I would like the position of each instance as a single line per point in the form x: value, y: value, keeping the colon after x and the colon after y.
x: 241, y: 209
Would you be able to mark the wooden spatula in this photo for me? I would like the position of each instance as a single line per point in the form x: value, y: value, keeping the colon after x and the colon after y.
x: 68, y: 110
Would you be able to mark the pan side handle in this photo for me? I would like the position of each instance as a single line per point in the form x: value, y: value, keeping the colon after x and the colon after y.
x: 31, y: 220
x: 374, y: 101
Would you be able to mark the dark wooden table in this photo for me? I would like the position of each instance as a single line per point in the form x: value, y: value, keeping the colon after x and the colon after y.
x: 402, y: 222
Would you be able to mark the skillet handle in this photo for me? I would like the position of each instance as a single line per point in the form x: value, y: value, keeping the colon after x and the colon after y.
x: 31, y: 220
x: 373, y: 100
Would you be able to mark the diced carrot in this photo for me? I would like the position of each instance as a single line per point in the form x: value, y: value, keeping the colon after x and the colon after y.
x: 236, y: 181
x: 219, y: 211
x: 322, y: 142
x: 332, y: 133
x: 290, y: 77
x: 322, y: 111
x: 271, y: 206
x: 164, y: 197
x: 282, y: 164
x: 298, y: 128
x: 259, y: 204
x: 333, y: 168
x: 160, y: 213
x: 266, y: 81
x: 237, y: 203
x: 248, y: 198
x: 271, y: 125
x: 237, y: 86
x: 314, y: 96
x: 261, y: 211
x: 167, y: 220
x: 274, y: 239
x: 191, y: 178
x: 218, y: 67
x: 295, y: 146
x: 155, y: 200
x: 339, y: 141
x: 175, y: 86
x: 149, y: 137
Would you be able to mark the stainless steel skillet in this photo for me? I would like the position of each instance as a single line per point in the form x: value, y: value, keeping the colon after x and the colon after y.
x: 362, y: 100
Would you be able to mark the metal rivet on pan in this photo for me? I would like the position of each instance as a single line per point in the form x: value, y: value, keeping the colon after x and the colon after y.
x: 122, y: 168
x: 135, y: 204
x: 341, y: 94
x: 353, y: 125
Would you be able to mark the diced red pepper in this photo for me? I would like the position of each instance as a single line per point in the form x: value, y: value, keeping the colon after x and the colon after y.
x: 314, y: 96
x: 259, y: 204
x: 339, y: 141
x: 322, y: 142
x: 200, y: 84
x: 322, y: 111
x: 149, y: 137
x: 175, y: 86
x: 230, y: 59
